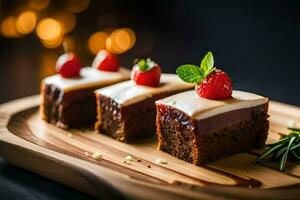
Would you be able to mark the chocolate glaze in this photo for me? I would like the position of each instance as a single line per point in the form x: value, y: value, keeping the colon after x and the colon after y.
x: 223, y: 120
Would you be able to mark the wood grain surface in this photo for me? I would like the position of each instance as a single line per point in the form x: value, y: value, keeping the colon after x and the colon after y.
x: 66, y: 156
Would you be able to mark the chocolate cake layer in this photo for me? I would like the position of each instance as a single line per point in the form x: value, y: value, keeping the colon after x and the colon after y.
x: 207, y: 140
x: 71, y: 109
x: 127, y: 123
x: 71, y: 102
x: 126, y: 111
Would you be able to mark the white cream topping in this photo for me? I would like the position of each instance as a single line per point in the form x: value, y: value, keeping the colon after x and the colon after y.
x: 200, y: 108
x: 89, y: 77
x: 128, y: 92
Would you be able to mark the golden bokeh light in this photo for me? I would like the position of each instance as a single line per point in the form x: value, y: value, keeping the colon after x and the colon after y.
x: 49, y: 30
x: 97, y: 42
x: 51, y: 44
x: 76, y: 6
x: 8, y: 27
x: 67, y: 21
x: 39, y: 4
x: 120, y: 40
x: 26, y: 22
x: 124, y: 39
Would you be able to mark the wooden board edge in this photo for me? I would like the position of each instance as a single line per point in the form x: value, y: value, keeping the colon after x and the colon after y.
x: 88, y: 182
x: 96, y: 181
x: 99, y: 186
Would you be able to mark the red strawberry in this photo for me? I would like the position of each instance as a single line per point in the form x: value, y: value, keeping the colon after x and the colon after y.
x: 146, y: 73
x: 106, y: 61
x: 68, y: 65
x: 217, y: 85
x: 210, y: 82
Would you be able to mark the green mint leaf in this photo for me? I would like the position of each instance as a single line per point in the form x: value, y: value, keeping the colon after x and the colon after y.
x: 194, y: 74
x: 207, y: 64
x: 190, y: 73
x: 142, y: 65
x: 208, y: 61
x: 209, y: 71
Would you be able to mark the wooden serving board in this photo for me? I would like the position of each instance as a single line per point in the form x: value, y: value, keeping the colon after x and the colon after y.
x: 66, y: 156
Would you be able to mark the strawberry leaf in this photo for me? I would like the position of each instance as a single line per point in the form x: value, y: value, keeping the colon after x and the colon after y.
x: 146, y: 64
x: 190, y: 73
x: 142, y: 65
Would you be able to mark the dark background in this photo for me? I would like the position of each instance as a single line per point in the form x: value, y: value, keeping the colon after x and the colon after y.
x: 256, y: 42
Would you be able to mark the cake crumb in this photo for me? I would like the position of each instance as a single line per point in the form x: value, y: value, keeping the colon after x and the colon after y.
x: 139, y: 160
x: 61, y: 125
x: 86, y: 153
x: 129, y: 158
x: 250, y: 186
x: 70, y: 135
x: 161, y: 161
x: 291, y: 124
x: 127, y: 162
x: 96, y: 155
x: 149, y: 166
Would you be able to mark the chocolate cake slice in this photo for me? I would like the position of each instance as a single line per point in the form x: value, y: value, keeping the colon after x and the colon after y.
x: 126, y: 111
x: 70, y: 102
x: 200, y: 130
